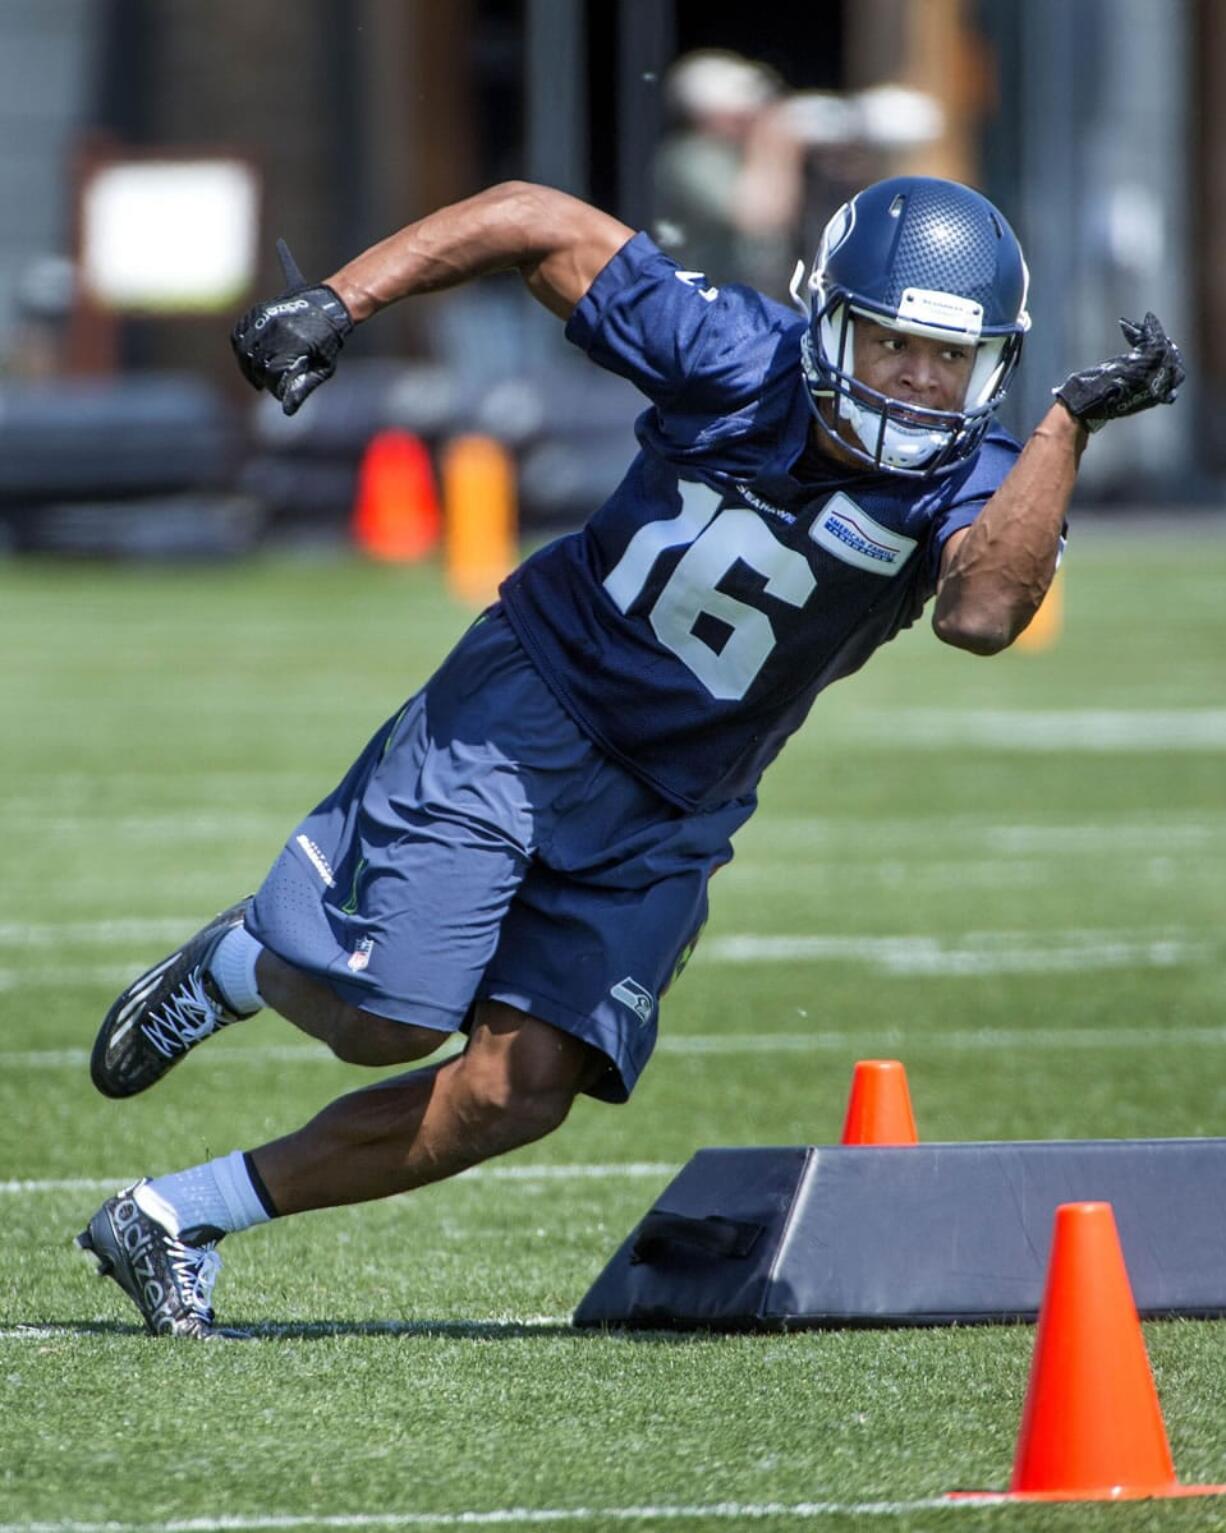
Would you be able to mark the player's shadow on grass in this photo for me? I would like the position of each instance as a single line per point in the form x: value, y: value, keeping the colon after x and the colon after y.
x: 476, y: 1330
x: 473, y: 1330
x: 315, y: 1330
x: 35, y: 1330
x: 321, y: 1330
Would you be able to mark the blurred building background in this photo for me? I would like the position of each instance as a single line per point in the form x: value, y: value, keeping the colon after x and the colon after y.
x: 730, y: 131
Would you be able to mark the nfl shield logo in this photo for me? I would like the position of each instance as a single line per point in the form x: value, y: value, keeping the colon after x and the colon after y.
x: 360, y: 957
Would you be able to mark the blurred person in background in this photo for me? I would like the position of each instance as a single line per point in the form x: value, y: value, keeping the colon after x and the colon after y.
x: 729, y: 181
x: 523, y: 851
x: 752, y: 170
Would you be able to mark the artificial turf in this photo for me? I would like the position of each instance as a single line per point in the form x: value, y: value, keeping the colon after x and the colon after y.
x: 1032, y: 919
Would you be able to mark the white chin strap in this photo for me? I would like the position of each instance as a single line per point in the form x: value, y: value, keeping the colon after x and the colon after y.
x: 901, y: 446
x: 906, y: 446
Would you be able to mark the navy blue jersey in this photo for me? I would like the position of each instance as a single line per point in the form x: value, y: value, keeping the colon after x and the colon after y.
x: 734, y: 572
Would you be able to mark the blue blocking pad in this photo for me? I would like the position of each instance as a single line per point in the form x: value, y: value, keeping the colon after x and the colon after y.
x: 935, y: 1234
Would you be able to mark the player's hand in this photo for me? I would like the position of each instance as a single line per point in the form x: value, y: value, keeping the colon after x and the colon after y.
x: 1142, y: 377
x: 289, y: 345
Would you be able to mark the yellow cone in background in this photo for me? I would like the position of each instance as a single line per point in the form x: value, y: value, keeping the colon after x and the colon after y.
x: 1048, y: 622
x: 480, y: 516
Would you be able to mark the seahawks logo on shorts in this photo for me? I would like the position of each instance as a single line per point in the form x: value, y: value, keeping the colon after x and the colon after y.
x: 630, y: 993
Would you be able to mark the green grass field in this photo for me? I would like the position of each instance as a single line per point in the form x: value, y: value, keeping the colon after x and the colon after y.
x: 1016, y: 870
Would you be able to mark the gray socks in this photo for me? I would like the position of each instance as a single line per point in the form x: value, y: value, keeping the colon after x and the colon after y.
x: 219, y: 1196
x: 233, y: 968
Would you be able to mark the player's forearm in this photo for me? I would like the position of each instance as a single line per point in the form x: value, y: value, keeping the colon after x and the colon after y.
x: 1001, y: 570
x: 511, y: 225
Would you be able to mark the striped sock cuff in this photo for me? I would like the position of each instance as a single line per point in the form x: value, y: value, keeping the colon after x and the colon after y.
x: 261, y: 1189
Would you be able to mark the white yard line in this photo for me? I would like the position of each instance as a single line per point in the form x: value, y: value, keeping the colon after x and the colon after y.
x: 1005, y: 872
x: 58, y: 786
x: 1123, y: 835
x: 105, y: 933
x: 304, y: 1053
x: 634, y: 1170
x: 955, y: 1039
x: 490, y: 1325
x: 163, y: 824
x: 1122, y: 840
x: 922, y: 839
x: 57, y: 975
x: 969, y: 954
x: 1016, y: 729
x: 973, y: 953
x: 818, y: 1039
x: 523, y: 1516
x: 912, y: 873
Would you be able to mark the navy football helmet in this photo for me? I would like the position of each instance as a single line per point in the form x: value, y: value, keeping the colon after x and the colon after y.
x: 929, y: 258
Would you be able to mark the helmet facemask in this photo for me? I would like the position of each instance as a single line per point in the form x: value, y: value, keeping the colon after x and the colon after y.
x: 892, y: 434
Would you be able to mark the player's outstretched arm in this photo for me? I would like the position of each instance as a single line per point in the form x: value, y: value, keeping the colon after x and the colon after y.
x: 557, y: 242
x: 995, y: 573
x: 289, y: 344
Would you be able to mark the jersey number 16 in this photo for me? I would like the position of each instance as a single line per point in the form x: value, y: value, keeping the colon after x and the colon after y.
x: 716, y: 543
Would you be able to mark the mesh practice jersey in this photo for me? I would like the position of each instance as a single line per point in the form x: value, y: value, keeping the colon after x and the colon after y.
x: 690, y: 624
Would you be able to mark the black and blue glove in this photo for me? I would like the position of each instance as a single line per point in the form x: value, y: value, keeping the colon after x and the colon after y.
x: 289, y: 344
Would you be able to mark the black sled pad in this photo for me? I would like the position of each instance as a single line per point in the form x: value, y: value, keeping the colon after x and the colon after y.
x: 932, y: 1234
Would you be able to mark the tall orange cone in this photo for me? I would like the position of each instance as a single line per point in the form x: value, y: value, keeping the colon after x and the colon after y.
x: 396, y: 515
x: 1092, y: 1427
x: 879, y: 1106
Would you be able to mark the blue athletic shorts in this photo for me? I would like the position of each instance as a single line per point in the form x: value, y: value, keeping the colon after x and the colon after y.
x: 482, y: 848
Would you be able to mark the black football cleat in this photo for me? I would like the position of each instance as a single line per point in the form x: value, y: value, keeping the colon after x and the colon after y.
x: 169, y: 1281
x: 164, y: 1014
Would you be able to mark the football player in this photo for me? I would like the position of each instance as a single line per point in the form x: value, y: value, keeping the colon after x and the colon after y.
x: 523, y: 850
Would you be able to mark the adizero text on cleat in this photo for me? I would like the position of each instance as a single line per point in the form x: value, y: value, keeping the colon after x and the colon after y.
x: 164, y: 1014
x: 169, y: 1281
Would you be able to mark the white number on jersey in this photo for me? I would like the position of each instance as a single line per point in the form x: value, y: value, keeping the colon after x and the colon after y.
x: 716, y: 543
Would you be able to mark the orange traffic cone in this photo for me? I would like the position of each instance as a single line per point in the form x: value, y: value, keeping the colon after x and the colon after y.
x: 879, y: 1107
x: 396, y: 515
x: 1092, y: 1427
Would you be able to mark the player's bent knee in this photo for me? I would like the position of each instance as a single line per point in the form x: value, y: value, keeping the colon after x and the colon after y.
x: 507, y: 1113
x: 520, y: 1076
x: 523, y: 1117
x: 360, y: 1038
